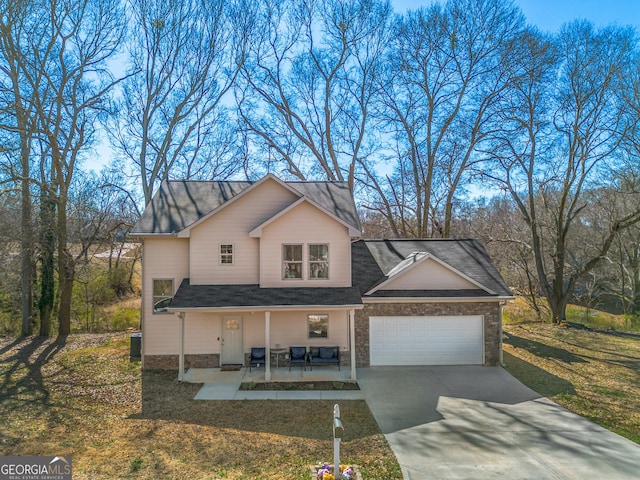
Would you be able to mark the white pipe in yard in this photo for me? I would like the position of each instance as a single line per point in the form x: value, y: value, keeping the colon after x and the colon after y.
x: 338, y: 431
x: 336, y: 458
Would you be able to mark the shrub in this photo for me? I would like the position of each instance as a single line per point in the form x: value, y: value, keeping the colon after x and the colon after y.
x: 9, y: 325
x: 123, y: 318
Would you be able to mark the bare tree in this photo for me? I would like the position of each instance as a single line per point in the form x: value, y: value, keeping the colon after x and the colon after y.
x: 58, y: 51
x: 499, y: 225
x: 20, y: 32
x: 446, y: 76
x: 623, y: 279
x: 307, y: 87
x: 185, y: 56
x: 560, y: 142
x: 619, y: 272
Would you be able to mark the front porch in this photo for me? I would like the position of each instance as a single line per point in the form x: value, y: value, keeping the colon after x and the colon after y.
x: 278, y: 374
x: 225, y: 385
x: 243, y: 330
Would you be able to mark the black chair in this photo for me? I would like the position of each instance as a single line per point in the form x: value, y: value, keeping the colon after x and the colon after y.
x: 257, y: 357
x: 298, y: 356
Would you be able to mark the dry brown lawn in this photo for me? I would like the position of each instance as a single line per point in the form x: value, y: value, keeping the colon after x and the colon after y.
x: 81, y: 396
x: 595, y: 374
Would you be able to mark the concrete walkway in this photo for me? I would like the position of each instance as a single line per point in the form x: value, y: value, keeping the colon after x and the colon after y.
x: 481, y: 423
x: 220, y: 385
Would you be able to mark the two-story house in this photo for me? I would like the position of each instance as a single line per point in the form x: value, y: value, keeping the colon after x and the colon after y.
x: 228, y: 266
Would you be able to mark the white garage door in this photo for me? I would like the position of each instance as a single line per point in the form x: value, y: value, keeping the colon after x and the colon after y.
x: 426, y: 340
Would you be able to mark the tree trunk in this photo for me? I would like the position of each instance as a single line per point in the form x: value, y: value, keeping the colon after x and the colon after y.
x: 448, y: 214
x: 635, y: 281
x: 558, y: 306
x: 26, y: 243
x: 26, y: 256
x: 47, y: 268
x: 66, y: 268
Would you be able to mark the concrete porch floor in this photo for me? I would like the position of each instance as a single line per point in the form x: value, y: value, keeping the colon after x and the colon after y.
x: 219, y: 385
x: 279, y: 374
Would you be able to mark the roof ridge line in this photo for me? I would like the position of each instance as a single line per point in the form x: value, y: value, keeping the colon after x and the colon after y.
x: 419, y: 239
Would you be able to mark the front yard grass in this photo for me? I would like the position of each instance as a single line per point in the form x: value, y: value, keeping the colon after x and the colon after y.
x: 81, y: 396
x: 595, y: 374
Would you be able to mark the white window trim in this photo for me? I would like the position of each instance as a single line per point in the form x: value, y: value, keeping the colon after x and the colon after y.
x: 283, y: 262
x: 233, y: 254
x: 173, y: 294
x: 309, y: 262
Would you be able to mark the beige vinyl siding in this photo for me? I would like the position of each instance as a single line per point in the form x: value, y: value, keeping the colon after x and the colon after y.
x: 289, y: 329
x: 203, y: 330
x: 232, y: 225
x: 428, y: 275
x: 305, y: 224
x: 201, y: 333
x: 163, y: 258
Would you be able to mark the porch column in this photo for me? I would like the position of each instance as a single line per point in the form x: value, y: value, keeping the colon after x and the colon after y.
x: 181, y: 355
x: 267, y: 342
x: 352, y: 342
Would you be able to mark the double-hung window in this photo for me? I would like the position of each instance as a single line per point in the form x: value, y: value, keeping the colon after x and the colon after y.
x: 162, y: 295
x: 291, y: 261
x: 226, y: 254
x: 318, y: 261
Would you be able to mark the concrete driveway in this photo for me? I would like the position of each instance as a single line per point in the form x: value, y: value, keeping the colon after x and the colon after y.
x: 481, y: 423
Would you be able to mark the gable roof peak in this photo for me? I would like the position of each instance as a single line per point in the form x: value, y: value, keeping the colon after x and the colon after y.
x: 179, y: 205
x: 374, y: 260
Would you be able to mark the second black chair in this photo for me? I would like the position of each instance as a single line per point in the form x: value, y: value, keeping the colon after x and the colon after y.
x: 298, y: 356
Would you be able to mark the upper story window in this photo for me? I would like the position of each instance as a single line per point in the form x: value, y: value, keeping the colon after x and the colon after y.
x: 318, y: 261
x: 291, y: 261
x: 162, y: 295
x: 226, y: 254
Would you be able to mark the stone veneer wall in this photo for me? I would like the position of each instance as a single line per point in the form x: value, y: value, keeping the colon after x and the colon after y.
x: 490, y: 311
x: 170, y: 362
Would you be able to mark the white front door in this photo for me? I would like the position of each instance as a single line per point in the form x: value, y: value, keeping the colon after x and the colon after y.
x: 231, y: 348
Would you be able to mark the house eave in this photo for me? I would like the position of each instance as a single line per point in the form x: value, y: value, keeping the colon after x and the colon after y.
x: 186, y: 231
x: 428, y: 256
x: 257, y: 231
x: 264, y: 308
x: 494, y: 299
x: 144, y: 235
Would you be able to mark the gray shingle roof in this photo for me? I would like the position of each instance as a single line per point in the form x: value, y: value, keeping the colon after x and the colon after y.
x: 179, y: 203
x: 372, y: 260
x: 333, y: 196
x: 220, y: 296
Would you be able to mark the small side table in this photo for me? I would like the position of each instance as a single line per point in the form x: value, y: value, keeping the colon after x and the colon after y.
x: 278, y: 352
